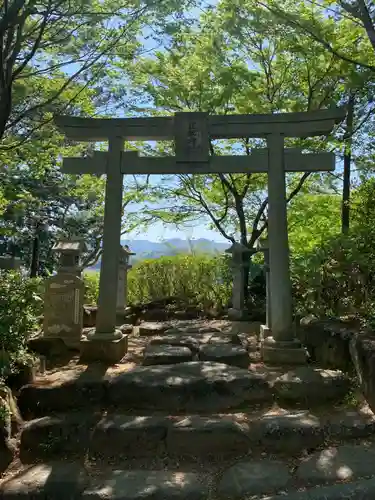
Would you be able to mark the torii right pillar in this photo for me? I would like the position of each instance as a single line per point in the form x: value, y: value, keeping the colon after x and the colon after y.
x: 278, y: 340
x: 279, y: 344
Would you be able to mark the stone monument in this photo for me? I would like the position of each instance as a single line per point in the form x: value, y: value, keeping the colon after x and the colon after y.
x: 63, y: 308
x: 122, y: 283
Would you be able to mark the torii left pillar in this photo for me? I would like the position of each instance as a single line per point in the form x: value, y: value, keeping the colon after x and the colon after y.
x: 105, y: 342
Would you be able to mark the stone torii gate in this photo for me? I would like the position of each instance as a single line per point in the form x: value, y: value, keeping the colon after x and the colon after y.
x: 192, y: 133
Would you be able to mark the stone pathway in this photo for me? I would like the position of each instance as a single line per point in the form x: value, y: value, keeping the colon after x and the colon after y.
x: 234, y: 355
x: 228, y: 434
x: 254, y: 478
x: 249, y: 478
x: 196, y: 386
x: 166, y: 354
x: 341, y: 463
x: 137, y: 485
x: 188, y: 415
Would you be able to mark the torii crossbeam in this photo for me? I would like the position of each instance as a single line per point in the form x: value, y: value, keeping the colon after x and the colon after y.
x: 192, y: 133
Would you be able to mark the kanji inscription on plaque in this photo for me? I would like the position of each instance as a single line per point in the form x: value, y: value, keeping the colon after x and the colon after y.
x: 191, y: 137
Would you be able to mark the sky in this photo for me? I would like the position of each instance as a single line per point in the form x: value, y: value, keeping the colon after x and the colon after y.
x: 158, y: 231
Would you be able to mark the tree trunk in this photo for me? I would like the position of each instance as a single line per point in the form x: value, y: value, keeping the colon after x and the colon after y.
x: 246, y: 265
x: 34, y: 266
x: 345, y: 211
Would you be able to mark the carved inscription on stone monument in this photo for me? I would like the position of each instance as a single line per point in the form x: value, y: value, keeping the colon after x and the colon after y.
x: 63, y: 306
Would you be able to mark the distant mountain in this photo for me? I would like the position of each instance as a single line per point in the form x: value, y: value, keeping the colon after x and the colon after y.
x: 145, y: 249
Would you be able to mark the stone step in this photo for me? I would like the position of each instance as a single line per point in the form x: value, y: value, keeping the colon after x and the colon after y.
x: 192, y: 329
x: 234, y: 355
x: 249, y: 478
x: 147, y: 329
x: 119, y: 436
x: 163, y: 353
x: 187, y: 387
x: 166, y: 354
x: 151, y: 328
x: 194, y: 341
x: 184, y: 387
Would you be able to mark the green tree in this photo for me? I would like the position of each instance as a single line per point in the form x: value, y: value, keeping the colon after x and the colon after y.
x: 344, y: 28
x: 41, y: 205
x: 220, y: 68
x: 51, y: 46
x: 312, y: 220
x: 58, y: 57
x: 231, y: 64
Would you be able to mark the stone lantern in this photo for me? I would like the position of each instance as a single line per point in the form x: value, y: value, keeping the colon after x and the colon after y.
x: 122, y: 282
x: 70, y: 251
x: 64, y: 295
x: 262, y: 246
x: 240, y: 260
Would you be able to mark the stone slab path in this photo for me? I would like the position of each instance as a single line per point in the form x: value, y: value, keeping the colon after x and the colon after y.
x: 248, y: 478
x: 190, y: 341
x: 189, y: 415
x: 230, y: 354
x: 155, y: 485
x: 254, y: 478
x: 340, y: 463
x: 190, y: 386
x: 116, y: 435
x: 166, y: 354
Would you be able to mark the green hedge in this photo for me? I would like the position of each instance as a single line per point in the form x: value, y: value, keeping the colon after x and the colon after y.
x: 91, y: 279
x: 20, y: 305
x: 338, y: 279
x: 201, y: 280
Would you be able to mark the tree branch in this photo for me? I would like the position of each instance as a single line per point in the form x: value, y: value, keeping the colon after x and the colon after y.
x: 291, y: 20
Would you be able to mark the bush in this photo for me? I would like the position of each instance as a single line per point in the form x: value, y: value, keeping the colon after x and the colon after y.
x: 338, y: 278
x: 201, y: 280
x: 20, y: 306
x: 91, y: 279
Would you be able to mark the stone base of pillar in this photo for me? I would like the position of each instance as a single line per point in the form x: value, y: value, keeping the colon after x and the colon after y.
x: 98, y: 348
x: 289, y: 352
x: 238, y: 314
x: 70, y: 343
x: 264, y: 332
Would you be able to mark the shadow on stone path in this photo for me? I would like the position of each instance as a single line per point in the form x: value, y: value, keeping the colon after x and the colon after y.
x: 192, y: 430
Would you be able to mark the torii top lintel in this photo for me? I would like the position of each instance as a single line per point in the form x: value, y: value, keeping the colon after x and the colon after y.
x: 302, y: 124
